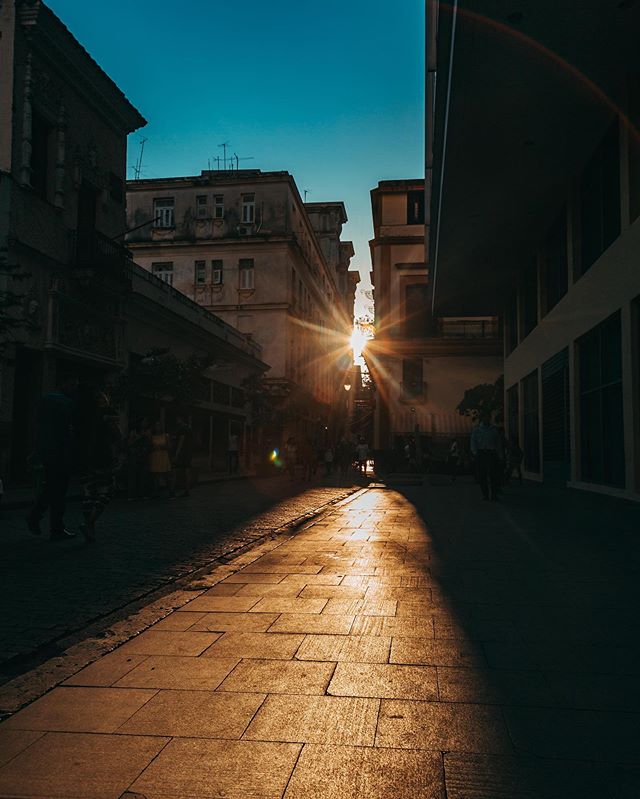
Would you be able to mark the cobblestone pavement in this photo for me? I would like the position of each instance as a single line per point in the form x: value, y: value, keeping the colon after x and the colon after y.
x: 414, y: 643
x: 51, y: 589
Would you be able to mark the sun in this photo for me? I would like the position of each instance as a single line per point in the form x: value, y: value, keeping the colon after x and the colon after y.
x: 359, y: 338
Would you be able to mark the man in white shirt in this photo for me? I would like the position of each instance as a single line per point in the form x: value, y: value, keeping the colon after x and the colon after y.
x: 486, y: 448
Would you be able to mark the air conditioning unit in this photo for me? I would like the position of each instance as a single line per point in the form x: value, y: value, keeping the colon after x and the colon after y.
x: 245, y: 231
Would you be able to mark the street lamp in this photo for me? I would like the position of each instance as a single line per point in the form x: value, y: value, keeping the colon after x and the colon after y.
x: 347, y: 386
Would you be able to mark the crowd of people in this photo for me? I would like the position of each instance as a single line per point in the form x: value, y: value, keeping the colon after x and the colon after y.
x: 84, y: 439
x: 303, y: 459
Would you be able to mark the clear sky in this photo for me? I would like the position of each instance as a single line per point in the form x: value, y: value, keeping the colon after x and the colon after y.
x: 329, y: 90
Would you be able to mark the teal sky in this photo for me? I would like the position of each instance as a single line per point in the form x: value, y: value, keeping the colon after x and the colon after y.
x: 332, y: 90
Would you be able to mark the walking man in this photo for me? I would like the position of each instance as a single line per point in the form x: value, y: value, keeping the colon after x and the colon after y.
x: 486, y: 448
x: 54, y: 448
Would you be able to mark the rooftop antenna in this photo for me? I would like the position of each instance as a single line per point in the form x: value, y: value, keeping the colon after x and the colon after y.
x: 224, y: 146
x: 235, y: 155
x: 306, y: 191
x: 137, y: 169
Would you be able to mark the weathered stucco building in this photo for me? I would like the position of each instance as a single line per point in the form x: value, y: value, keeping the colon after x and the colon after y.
x: 421, y: 366
x: 71, y: 300
x: 244, y: 245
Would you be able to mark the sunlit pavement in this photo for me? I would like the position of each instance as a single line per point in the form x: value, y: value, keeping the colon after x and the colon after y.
x: 411, y: 642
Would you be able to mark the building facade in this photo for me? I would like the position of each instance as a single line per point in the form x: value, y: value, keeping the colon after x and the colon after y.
x: 71, y: 299
x: 556, y: 227
x: 421, y: 366
x: 243, y: 245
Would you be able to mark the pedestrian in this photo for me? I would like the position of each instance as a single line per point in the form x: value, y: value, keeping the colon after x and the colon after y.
x: 328, y: 461
x: 486, y: 450
x: 183, y: 455
x: 291, y: 457
x: 232, y: 454
x: 54, y: 447
x: 101, y: 461
x: 454, y: 458
x: 307, y: 457
x: 159, y: 461
x: 137, y: 459
x: 362, y: 455
x: 344, y: 456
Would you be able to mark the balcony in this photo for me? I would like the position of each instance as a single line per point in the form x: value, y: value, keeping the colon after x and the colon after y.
x: 468, y: 328
x: 94, y: 253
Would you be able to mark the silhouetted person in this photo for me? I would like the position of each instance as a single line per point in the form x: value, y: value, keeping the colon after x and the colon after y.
x: 291, y: 457
x: 54, y: 450
x: 102, y: 457
x: 233, y: 459
x: 137, y: 460
x: 486, y: 448
x: 454, y: 459
x: 514, y: 460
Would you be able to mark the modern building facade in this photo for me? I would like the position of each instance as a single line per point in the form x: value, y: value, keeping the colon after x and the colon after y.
x: 71, y: 299
x: 421, y: 365
x: 243, y: 245
x: 533, y: 161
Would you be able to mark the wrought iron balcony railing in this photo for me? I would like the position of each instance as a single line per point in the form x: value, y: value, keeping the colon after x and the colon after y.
x: 94, y: 252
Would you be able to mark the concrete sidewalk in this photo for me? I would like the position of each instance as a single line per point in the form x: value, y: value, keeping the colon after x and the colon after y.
x: 408, y: 643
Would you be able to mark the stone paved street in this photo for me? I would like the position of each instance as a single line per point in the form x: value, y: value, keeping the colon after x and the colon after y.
x: 52, y: 589
x: 409, y: 643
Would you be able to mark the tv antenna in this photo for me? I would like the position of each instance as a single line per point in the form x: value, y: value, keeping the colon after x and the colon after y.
x: 224, y: 146
x: 235, y: 155
x: 306, y: 191
x: 137, y: 169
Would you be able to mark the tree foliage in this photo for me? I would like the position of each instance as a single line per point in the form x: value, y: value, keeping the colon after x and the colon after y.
x: 485, y: 397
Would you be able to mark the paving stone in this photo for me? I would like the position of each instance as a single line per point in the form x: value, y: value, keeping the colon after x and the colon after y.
x: 316, y: 719
x: 222, y: 604
x: 438, y: 727
x: 195, y: 714
x: 75, y: 766
x: 384, y: 680
x: 594, y: 691
x: 313, y: 623
x: 178, y: 622
x: 493, y: 686
x: 284, y: 605
x: 351, y: 648
x: 245, y: 577
x: 223, y: 589
x: 80, y: 710
x: 107, y: 670
x: 312, y: 579
x: 362, y: 607
x: 159, y: 642
x: 580, y: 734
x: 12, y: 742
x: 431, y: 652
x: 255, y: 645
x: 210, y: 768
x: 287, y: 590
x: 259, y: 568
x: 344, y: 772
x: 279, y: 677
x: 332, y: 592
x: 185, y: 673
x: 240, y: 622
x: 408, y: 626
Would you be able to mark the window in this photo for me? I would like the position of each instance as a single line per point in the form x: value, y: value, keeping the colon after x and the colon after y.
x: 600, y: 200
x: 511, y: 324
x: 201, y: 206
x: 163, y: 212
x: 200, y: 272
x: 531, y: 423
x: 116, y: 188
x: 416, y: 310
x: 412, y: 378
x: 163, y: 271
x: 218, y: 206
x: 40, y: 156
x: 246, y: 273
x: 248, y: 208
x: 555, y: 263
x: 601, y: 422
x: 513, y: 414
x: 216, y: 272
x: 529, y: 300
x: 415, y: 208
